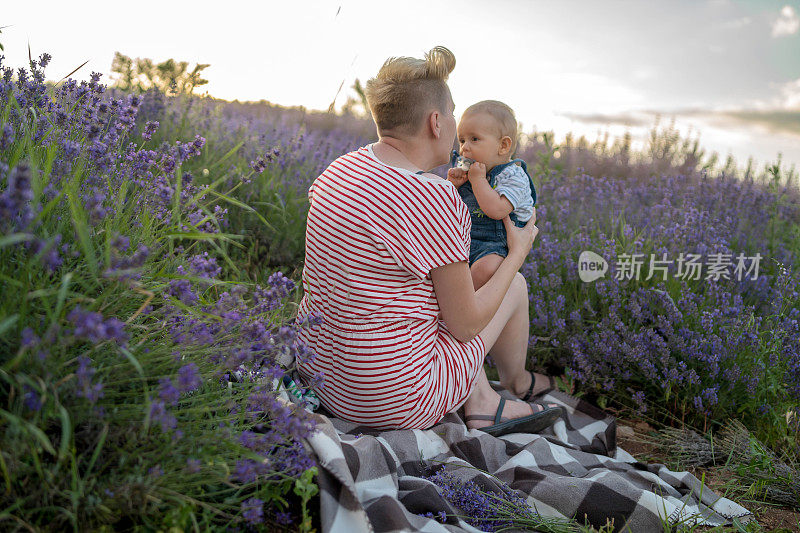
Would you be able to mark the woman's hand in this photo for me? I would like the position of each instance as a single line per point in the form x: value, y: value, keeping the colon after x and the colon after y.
x: 457, y: 177
x: 520, y: 240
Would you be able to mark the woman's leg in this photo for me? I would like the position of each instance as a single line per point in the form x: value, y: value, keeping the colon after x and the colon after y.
x: 506, y: 337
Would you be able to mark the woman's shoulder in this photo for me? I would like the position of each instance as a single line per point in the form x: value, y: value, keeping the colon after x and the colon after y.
x: 347, y: 159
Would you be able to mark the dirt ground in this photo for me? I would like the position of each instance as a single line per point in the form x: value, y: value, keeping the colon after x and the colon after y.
x: 632, y: 436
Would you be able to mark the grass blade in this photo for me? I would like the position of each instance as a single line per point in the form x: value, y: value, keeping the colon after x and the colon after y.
x: 15, y: 238
x: 73, y: 72
x: 37, y: 433
x: 7, y: 323
x: 227, y: 155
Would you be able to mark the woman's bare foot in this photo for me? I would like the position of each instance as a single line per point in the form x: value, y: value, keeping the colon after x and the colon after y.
x: 488, y: 406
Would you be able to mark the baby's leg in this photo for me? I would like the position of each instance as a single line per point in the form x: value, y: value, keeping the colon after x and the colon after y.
x: 484, y: 268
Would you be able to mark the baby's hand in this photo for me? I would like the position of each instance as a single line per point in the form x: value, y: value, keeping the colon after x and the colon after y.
x: 477, y: 171
x: 457, y: 177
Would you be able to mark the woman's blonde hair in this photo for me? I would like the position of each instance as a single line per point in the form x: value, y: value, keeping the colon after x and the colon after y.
x: 407, y: 88
x: 503, y: 116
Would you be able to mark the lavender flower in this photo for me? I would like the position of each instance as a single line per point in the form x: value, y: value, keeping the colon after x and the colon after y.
x: 16, y: 211
x: 94, y: 328
x: 48, y: 251
x: 160, y: 415
x: 283, y: 518
x: 253, y: 511
x: 189, y: 378
x: 6, y: 136
x: 31, y: 399
x: 149, y: 129
x: 182, y: 290
x: 29, y: 338
x: 167, y: 391
x: 193, y: 466
x: 204, y: 266
x: 86, y: 388
x: 488, y: 510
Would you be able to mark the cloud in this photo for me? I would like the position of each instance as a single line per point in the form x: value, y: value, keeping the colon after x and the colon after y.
x: 787, y: 22
x: 790, y: 94
x: 777, y: 121
x: 634, y: 119
x: 781, y: 121
x: 735, y: 24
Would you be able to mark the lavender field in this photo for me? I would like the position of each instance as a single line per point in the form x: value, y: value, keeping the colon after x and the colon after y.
x: 150, y: 254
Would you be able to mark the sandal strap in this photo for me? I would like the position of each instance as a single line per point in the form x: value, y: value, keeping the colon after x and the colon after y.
x: 496, y: 418
x: 551, y: 385
x: 529, y: 394
x: 470, y: 418
x: 497, y: 415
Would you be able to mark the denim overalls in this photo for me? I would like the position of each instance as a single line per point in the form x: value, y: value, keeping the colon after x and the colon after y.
x: 488, y: 235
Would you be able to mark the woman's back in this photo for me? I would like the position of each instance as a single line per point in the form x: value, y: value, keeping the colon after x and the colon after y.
x: 374, y: 233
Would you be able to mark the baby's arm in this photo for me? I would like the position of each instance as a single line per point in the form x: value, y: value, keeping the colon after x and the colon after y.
x: 492, y: 204
x: 457, y: 177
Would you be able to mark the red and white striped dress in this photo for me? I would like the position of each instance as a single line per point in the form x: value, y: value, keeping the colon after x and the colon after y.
x: 374, y: 233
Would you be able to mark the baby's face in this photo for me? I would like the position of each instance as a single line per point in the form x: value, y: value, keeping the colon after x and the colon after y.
x: 479, y: 139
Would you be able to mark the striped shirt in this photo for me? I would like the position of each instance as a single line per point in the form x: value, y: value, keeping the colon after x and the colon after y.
x: 373, y: 234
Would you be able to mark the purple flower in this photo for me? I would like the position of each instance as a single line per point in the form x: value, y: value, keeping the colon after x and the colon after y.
x: 488, y: 510
x: 204, y: 266
x: 253, y: 511
x: 167, y: 391
x: 86, y: 388
x: 48, y: 252
x: 6, y: 136
x: 93, y: 327
x: 259, y: 165
x: 193, y: 466
x: 29, y: 338
x: 149, y: 129
x: 16, y: 211
x: 283, y: 518
x: 126, y: 266
x: 31, y: 399
x: 160, y: 415
x: 182, y: 290
x: 188, y: 378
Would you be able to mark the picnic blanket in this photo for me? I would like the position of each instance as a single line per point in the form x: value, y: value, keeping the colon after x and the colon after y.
x: 375, y: 480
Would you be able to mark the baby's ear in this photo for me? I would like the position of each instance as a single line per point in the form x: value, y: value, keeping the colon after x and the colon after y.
x: 505, y: 145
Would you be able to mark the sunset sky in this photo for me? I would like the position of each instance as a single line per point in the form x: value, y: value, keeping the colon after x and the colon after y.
x: 728, y: 69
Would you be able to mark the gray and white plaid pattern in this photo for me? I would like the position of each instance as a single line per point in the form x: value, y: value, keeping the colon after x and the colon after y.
x: 374, y: 480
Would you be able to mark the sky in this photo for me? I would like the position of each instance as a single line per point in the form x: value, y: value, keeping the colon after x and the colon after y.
x: 727, y: 71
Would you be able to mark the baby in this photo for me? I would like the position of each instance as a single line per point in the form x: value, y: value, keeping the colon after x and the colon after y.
x: 487, y: 135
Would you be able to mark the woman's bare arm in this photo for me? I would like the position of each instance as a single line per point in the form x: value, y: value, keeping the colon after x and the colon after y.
x: 466, y: 311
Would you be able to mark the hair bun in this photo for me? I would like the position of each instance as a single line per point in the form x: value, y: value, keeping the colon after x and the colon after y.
x: 440, y: 62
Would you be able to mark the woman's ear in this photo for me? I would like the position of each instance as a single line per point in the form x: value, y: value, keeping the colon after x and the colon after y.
x: 435, y: 126
x: 505, y: 145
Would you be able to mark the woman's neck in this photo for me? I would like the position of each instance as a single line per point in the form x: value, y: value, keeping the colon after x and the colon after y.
x: 401, y: 153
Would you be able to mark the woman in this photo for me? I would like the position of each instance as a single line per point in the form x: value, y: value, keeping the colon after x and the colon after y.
x: 404, y: 333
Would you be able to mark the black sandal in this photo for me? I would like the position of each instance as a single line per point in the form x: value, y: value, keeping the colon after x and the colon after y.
x: 533, y: 423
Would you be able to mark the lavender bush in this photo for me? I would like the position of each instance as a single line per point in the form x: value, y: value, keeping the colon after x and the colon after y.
x: 701, y: 350
x: 266, y: 157
x: 137, y: 384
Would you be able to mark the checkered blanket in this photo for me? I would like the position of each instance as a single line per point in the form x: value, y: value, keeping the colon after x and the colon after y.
x: 375, y: 480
